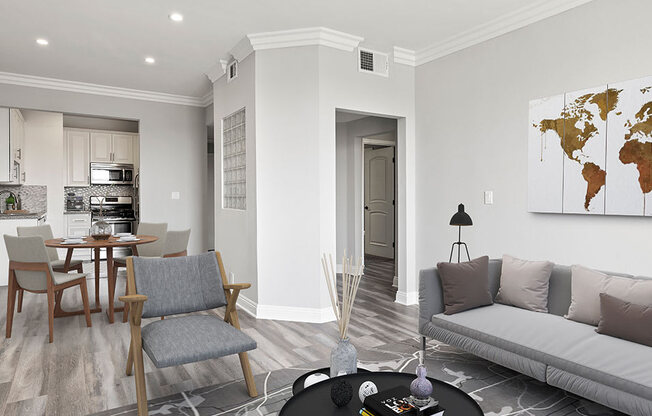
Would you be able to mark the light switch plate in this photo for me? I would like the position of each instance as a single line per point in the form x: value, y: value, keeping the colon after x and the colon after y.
x: 176, y: 195
x: 488, y: 197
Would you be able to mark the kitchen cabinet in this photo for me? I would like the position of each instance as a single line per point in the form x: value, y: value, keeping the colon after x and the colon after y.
x: 112, y: 147
x: 12, y: 138
x: 8, y: 226
x: 77, y: 143
x: 78, y: 225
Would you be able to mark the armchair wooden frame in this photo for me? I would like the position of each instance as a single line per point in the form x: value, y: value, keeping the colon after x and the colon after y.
x: 135, y: 356
x: 63, y: 269
x: 54, y: 292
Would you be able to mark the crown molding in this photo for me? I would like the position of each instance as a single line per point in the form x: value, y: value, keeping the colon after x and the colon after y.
x: 312, y: 36
x: 242, y: 49
x: 405, y: 56
x: 217, y: 71
x: 517, y: 19
x: 207, y: 99
x: 96, y: 89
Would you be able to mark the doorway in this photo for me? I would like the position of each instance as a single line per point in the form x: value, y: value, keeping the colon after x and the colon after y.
x: 366, y: 191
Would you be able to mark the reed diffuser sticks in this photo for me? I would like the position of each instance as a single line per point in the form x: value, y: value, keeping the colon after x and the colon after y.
x: 351, y: 276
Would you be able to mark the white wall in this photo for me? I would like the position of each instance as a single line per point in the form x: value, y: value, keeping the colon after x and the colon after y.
x: 172, y: 149
x: 235, y: 231
x: 342, y: 86
x: 349, y: 186
x: 44, y: 158
x: 472, y: 112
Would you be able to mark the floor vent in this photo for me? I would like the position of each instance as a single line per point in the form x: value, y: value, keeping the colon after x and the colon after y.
x: 373, y: 62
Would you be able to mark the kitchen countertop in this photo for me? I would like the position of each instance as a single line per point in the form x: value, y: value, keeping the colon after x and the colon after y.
x: 30, y: 215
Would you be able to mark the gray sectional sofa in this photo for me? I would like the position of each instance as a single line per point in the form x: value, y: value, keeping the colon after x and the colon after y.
x: 546, y: 346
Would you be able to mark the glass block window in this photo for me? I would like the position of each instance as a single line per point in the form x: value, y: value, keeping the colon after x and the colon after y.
x: 234, y: 153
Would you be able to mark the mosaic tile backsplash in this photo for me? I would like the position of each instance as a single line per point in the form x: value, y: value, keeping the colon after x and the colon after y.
x: 34, y: 197
x: 99, y: 190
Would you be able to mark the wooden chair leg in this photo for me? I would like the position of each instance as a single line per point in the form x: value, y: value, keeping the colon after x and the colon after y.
x: 87, y: 309
x: 11, y: 299
x: 21, y: 292
x: 141, y: 391
x: 51, y: 296
x: 249, y: 378
x: 130, y: 360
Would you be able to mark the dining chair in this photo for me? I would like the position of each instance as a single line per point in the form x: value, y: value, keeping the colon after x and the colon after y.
x: 182, y: 285
x: 154, y: 249
x: 30, y: 270
x: 176, y: 243
x: 58, y: 265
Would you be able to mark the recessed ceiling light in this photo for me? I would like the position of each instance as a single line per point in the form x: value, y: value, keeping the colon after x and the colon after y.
x: 176, y: 17
x: 42, y: 42
x: 150, y: 60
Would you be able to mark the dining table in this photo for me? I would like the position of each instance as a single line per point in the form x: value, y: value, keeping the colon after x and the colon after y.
x: 96, y: 245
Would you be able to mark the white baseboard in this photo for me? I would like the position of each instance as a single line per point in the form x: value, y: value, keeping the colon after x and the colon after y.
x: 285, y: 313
x: 407, y: 298
x: 247, y: 305
x: 296, y: 314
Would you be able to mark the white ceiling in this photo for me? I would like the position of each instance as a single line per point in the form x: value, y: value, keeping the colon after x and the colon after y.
x: 105, y: 41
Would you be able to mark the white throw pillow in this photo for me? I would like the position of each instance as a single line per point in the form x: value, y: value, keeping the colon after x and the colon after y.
x: 524, y: 283
x: 587, y: 284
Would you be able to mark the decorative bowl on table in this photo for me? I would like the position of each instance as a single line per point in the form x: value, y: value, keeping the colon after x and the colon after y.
x: 101, y: 230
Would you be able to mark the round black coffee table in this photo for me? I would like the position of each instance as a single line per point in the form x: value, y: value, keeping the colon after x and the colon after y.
x: 316, y: 399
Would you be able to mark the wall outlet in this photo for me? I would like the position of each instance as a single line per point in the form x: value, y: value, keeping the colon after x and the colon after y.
x: 488, y: 197
x: 176, y: 195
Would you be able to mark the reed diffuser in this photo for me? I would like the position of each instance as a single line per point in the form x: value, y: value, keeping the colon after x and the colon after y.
x: 344, y: 356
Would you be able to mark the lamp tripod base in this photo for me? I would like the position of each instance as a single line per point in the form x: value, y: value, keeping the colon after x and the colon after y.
x: 459, y: 245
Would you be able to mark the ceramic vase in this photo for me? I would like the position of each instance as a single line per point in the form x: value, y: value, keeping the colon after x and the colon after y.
x: 421, y: 387
x: 344, y: 359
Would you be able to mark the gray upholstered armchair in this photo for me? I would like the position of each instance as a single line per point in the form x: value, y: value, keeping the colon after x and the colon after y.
x: 180, y: 285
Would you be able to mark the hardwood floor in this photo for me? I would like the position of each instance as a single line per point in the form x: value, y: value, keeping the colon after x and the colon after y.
x: 83, y: 371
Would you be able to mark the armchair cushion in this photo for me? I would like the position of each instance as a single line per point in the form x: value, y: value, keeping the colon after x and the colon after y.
x: 61, y: 278
x: 186, y: 339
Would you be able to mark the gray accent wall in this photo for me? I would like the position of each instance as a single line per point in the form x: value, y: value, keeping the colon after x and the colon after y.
x: 472, y: 115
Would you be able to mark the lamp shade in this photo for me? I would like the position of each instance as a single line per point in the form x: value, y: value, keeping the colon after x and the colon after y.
x: 461, y: 218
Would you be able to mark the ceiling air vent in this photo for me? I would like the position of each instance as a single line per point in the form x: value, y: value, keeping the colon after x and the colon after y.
x: 373, y: 62
x: 232, y: 71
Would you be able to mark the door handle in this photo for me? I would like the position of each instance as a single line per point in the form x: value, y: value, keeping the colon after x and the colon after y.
x: 366, y: 207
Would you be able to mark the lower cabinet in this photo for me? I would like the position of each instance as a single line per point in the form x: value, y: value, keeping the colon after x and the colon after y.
x: 77, y: 225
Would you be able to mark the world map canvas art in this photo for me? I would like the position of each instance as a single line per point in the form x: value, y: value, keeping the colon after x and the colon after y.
x: 590, y: 151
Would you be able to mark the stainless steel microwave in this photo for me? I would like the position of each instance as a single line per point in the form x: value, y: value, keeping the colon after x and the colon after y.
x: 112, y: 174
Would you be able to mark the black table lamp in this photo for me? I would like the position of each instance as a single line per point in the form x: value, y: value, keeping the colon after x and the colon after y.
x: 460, y: 219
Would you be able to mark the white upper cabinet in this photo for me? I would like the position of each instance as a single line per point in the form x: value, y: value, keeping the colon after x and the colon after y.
x: 112, y: 148
x: 12, y: 137
x: 123, y: 148
x: 101, y: 147
x: 77, y: 145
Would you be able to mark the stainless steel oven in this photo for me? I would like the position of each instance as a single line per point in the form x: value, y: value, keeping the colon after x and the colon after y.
x: 118, y: 211
x: 112, y: 174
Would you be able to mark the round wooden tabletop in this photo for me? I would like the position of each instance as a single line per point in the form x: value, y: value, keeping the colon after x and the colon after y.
x: 90, y: 242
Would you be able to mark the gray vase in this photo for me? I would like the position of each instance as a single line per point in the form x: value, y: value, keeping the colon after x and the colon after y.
x: 344, y: 358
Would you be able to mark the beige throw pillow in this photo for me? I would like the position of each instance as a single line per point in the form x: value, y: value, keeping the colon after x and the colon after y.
x: 524, y: 283
x: 587, y: 284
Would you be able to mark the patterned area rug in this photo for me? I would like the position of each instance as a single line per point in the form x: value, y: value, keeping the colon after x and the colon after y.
x: 499, y: 391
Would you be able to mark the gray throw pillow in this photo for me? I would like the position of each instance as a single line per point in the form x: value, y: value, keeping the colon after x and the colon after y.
x: 587, y: 284
x: 465, y: 285
x: 524, y: 283
x: 625, y: 320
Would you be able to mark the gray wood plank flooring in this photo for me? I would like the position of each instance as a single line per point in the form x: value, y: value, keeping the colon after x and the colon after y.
x: 83, y: 371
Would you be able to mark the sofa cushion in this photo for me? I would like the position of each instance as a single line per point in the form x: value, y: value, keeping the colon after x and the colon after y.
x: 625, y: 320
x: 176, y: 341
x: 564, y: 344
x: 587, y: 284
x: 525, y: 283
x: 465, y: 285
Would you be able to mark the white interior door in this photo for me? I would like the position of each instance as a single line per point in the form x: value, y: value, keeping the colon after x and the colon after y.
x: 379, y: 202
